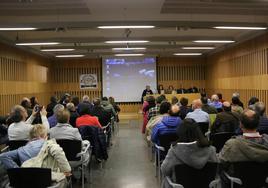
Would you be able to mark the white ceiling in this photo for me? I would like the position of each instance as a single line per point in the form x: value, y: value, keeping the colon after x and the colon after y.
x: 74, y: 23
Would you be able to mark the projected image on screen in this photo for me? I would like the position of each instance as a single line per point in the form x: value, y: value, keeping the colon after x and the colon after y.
x: 126, y: 78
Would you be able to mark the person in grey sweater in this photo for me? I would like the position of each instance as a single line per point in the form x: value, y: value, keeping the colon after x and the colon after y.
x: 192, y: 149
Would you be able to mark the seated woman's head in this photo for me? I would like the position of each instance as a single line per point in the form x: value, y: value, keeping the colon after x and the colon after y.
x: 189, y: 131
x: 38, y: 131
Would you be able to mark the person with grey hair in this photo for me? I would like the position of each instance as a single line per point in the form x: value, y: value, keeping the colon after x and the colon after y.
x: 259, y: 107
x: 73, y: 113
x: 52, y: 119
x: 236, y: 95
x: 216, y: 103
x: 85, y: 101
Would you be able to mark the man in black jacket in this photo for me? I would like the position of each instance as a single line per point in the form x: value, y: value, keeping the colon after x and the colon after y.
x: 226, y: 121
x: 98, y: 111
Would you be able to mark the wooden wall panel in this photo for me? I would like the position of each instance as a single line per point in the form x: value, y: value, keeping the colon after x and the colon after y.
x: 242, y: 68
x: 22, y: 75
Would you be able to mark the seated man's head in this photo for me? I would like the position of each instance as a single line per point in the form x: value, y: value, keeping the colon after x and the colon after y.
x: 63, y: 116
x: 165, y: 107
x: 249, y: 120
x: 184, y: 101
x: 197, y: 104
x: 18, y: 113
x: 38, y: 131
x: 175, y: 110
x: 85, y: 98
x: 226, y: 106
x: 57, y: 108
x: 84, y: 109
x: 96, y: 102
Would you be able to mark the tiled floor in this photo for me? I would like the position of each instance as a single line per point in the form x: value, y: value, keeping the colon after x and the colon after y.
x: 128, y: 165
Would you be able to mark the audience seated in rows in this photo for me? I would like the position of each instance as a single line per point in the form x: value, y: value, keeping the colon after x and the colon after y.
x: 73, y: 113
x: 236, y: 106
x: 226, y: 121
x: 216, y: 103
x: 116, y: 108
x: 52, y: 119
x: 167, y: 125
x: 19, y: 130
x: 184, y: 109
x: 237, y: 95
x: 85, y: 102
x: 148, y: 103
x: 192, y: 149
x: 164, y: 111
x: 154, y: 111
x: 104, y: 117
x: 51, y: 105
x: 198, y: 114
x: 208, y: 108
x: 39, y: 152
x: 251, y: 146
x: 107, y: 106
x: 86, y: 119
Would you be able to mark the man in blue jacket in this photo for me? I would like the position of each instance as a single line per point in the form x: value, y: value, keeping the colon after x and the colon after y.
x: 168, y: 125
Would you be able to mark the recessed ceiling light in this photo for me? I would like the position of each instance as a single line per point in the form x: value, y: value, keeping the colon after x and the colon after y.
x: 17, y: 28
x: 214, y: 41
x: 187, y: 54
x: 37, y: 43
x: 57, y: 50
x: 127, y: 27
x: 122, y: 55
x: 241, y: 28
x: 199, y: 48
x: 126, y: 41
x: 134, y: 48
x: 70, y: 55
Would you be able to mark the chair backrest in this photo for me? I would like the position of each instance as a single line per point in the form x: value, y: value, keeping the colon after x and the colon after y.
x: 71, y: 148
x: 203, y: 127
x: 252, y: 174
x: 15, y: 144
x: 166, y: 140
x: 191, y: 177
x: 29, y: 177
x: 218, y: 139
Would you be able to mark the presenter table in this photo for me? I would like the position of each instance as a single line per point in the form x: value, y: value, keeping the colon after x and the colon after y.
x: 189, y: 96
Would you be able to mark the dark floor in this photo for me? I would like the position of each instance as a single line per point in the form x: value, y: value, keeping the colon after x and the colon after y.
x: 129, y: 165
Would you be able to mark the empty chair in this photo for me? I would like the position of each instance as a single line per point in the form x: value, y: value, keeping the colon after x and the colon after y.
x: 29, y: 177
x: 189, y: 177
x: 218, y: 139
x: 247, y: 175
x: 74, y: 154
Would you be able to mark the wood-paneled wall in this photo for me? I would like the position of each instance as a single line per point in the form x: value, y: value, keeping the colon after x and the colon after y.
x: 22, y: 74
x: 242, y: 68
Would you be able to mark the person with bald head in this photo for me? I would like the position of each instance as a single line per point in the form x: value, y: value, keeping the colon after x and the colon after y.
x: 167, y: 125
x: 198, y: 114
x: 226, y: 121
x: 251, y: 146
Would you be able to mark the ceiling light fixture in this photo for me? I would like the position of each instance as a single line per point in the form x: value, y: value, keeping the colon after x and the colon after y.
x: 134, y: 48
x: 123, y: 55
x: 187, y: 54
x: 17, y: 28
x: 37, y: 43
x: 127, y: 27
x: 57, y: 50
x: 70, y: 55
x: 214, y: 41
x: 199, y: 48
x: 126, y: 41
x: 240, y: 28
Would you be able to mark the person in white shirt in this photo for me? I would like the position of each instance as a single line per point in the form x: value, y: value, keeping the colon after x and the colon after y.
x: 20, y: 129
x: 198, y: 114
